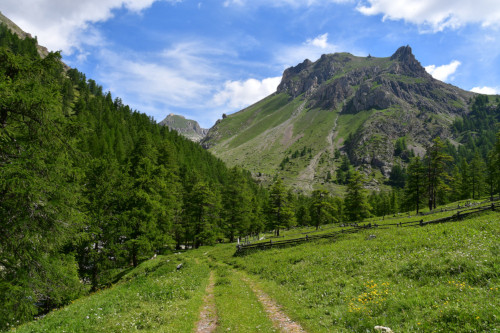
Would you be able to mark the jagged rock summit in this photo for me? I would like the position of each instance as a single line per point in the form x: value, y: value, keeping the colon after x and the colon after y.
x: 340, y: 104
x: 187, y: 127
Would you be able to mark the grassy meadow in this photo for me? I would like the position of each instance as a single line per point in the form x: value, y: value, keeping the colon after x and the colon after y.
x: 436, y: 278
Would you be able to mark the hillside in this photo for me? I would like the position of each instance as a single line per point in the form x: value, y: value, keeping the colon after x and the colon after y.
x: 90, y: 187
x: 186, y: 127
x: 340, y: 104
x: 440, y: 278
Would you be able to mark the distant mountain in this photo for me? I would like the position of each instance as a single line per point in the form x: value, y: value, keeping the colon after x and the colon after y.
x: 187, y: 127
x: 361, y: 107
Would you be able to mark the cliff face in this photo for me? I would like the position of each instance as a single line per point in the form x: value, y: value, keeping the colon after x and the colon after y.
x: 359, y: 106
x: 188, y: 128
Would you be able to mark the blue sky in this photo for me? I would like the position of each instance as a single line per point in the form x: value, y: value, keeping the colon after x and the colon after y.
x: 204, y: 58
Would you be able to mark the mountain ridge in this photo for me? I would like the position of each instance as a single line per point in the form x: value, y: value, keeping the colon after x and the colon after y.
x: 358, y: 106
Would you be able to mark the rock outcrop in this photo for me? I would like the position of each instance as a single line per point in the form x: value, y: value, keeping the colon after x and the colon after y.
x: 187, y: 127
x: 365, y: 105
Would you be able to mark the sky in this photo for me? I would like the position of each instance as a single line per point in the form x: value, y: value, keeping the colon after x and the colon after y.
x: 201, y: 59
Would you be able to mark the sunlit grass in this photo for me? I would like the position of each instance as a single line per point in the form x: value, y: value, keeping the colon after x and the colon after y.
x: 435, y: 278
x: 238, y: 308
x: 156, y: 297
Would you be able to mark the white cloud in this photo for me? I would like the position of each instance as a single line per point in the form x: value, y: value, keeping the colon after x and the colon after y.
x: 436, y: 15
x: 240, y: 94
x: 182, y: 77
x: 321, y: 41
x: 486, y: 90
x: 64, y: 25
x: 443, y: 72
x: 280, y: 3
x: 311, y: 49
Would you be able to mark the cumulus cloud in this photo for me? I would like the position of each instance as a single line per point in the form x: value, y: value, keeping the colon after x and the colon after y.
x: 443, y: 72
x: 436, y: 15
x: 311, y: 49
x: 60, y: 25
x: 240, y: 94
x: 486, y: 90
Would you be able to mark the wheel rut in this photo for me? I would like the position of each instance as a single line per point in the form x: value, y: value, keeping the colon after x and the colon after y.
x: 208, y: 315
x: 280, y: 320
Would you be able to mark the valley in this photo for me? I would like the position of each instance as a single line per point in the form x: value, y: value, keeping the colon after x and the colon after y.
x: 378, y: 277
x: 360, y: 196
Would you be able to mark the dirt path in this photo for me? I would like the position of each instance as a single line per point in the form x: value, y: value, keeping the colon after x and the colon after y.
x: 208, y: 314
x: 280, y: 320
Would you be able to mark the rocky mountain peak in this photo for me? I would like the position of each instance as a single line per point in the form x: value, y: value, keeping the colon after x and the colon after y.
x: 403, y: 54
x: 406, y: 63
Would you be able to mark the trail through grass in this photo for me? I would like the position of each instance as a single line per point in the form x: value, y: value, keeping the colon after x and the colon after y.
x: 436, y: 278
x: 208, y: 314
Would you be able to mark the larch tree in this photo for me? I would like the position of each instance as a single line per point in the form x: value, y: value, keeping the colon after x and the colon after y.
x: 356, y: 203
x: 436, y: 163
x: 281, y: 212
x: 415, y: 185
x: 322, y: 210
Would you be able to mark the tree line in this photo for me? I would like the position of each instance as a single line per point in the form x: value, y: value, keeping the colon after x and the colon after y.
x: 90, y: 187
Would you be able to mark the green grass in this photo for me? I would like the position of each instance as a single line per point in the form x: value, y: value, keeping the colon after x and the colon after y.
x: 238, y: 308
x: 155, y: 297
x: 349, y: 123
x: 437, y: 278
x: 268, y: 117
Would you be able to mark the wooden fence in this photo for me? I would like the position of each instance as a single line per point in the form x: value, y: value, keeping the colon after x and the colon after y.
x: 241, y: 249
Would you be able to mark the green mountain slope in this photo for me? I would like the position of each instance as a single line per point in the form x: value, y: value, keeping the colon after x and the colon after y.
x: 359, y: 106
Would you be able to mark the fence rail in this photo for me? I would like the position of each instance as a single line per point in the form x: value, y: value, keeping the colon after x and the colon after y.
x: 240, y: 249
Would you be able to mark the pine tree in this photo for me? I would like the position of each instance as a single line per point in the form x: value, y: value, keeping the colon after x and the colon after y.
x: 237, y: 211
x: 39, y: 189
x: 436, y: 161
x: 322, y: 209
x: 281, y: 213
x: 414, y: 190
x: 202, y: 212
x: 477, y: 170
x: 356, y: 205
x: 465, y: 183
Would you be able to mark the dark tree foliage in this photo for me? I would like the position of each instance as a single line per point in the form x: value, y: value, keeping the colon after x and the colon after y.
x: 89, y: 187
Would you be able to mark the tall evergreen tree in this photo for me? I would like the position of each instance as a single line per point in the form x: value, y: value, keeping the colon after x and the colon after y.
x: 477, y: 171
x: 322, y: 210
x: 414, y: 190
x: 281, y: 213
x: 237, y: 205
x: 202, y: 212
x: 356, y: 204
x: 436, y: 163
x: 39, y: 190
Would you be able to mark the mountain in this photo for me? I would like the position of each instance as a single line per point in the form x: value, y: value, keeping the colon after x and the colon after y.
x: 42, y: 51
x: 341, y: 105
x: 187, y: 127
